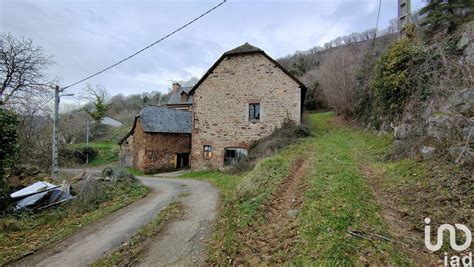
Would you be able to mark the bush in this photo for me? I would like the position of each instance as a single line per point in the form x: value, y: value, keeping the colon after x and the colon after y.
x: 79, y: 154
x: 8, y: 149
x: 91, y: 192
x: 289, y: 133
x: 391, y: 86
x: 314, y: 98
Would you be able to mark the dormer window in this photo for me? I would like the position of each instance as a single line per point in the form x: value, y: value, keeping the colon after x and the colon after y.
x: 184, y: 97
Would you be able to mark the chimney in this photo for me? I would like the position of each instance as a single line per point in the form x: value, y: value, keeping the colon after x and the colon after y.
x: 176, y: 87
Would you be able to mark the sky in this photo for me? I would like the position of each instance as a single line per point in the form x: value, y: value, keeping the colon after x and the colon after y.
x: 84, y: 36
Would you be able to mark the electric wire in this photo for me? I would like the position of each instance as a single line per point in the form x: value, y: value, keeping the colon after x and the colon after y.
x: 377, y: 23
x: 145, y: 48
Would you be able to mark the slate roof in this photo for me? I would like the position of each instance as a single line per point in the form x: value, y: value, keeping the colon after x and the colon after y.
x: 156, y: 119
x: 175, y: 98
x: 164, y: 120
x: 245, y: 48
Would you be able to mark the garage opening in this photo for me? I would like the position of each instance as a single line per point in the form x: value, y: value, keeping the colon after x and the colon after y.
x: 232, y: 155
x: 182, y: 160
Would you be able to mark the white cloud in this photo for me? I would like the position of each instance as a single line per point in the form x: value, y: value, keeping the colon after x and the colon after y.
x: 85, y: 36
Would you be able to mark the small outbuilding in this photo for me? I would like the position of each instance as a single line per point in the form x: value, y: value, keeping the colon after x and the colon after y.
x: 159, y: 140
x: 111, y: 122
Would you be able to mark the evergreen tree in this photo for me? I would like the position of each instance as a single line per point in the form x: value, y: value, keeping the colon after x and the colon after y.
x: 447, y: 13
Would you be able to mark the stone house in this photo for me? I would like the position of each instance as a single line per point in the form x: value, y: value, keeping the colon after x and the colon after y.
x: 159, y: 140
x: 242, y: 98
x: 180, y: 98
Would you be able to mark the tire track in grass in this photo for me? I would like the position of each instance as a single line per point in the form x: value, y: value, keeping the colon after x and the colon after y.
x: 273, y: 240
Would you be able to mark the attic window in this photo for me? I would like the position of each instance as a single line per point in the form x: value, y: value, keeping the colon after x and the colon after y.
x: 254, y: 111
x: 207, y: 151
x: 184, y: 97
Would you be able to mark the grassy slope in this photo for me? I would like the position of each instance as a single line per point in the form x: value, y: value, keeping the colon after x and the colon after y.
x: 243, y: 197
x: 26, y: 232
x: 108, y: 152
x: 338, y: 197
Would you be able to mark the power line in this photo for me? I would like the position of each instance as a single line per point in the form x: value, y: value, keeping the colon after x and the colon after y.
x: 377, y: 23
x: 147, y: 47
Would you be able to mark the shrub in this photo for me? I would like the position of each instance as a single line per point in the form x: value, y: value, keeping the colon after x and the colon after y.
x: 391, y: 85
x: 289, y: 133
x: 8, y: 149
x: 79, y: 154
x: 91, y: 192
x: 314, y: 98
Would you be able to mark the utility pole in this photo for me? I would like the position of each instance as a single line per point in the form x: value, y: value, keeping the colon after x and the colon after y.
x: 55, y: 164
x: 404, y: 15
x: 87, y: 140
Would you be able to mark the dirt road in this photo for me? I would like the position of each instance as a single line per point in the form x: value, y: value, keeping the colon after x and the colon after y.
x: 182, y: 243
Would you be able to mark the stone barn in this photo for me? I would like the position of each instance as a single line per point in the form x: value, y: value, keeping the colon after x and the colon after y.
x: 159, y: 140
x: 242, y: 98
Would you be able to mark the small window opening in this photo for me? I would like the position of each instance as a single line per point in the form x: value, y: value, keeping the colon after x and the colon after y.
x: 232, y: 155
x: 254, y: 112
x: 207, y: 151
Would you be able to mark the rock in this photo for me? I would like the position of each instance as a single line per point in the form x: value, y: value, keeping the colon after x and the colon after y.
x: 467, y: 156
x: 403, y: 131
x: 467, y: 35
x: 407, y: 118
x: 467, y: 131
x: 445, y: 126
x: 427, y: 152
x: 382, y: 133
x: 469, y: 52
x: 292, y: 213
x: 461, y: 101
x: 463, y: 42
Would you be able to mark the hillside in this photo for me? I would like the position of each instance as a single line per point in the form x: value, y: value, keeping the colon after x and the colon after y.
x: 418, y: 88
x: 332, y: 199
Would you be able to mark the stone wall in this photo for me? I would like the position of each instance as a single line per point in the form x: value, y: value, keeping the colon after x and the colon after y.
x: 126, y: 156
x: 221, y: 106
x: 154, y: 152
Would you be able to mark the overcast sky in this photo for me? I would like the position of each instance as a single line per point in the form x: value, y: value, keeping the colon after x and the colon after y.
x: 84, y: 36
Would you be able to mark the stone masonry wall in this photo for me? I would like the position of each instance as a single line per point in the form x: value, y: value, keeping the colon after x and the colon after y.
x: 126, y: 156
x: 221, y: 104
x: 158, y: 151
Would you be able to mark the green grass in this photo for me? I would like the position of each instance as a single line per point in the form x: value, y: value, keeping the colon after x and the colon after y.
x: 243, y: 196
x: 27, y: 232
x: 339, y: 199
x: 128, y: 253
x: 225, y: 182
x: 108, y: 152
x: 136, y: 172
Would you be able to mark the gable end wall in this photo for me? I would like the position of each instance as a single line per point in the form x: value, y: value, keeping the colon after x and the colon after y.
x: 220, y: 105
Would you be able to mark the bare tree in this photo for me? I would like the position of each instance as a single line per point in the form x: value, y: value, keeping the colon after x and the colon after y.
x: 338, y: 80
x: 22, y: 67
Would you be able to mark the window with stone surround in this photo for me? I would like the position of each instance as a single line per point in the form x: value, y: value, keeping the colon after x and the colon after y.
x: 254, y: 111
x: 232, y: 155
x: 207, y: 151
